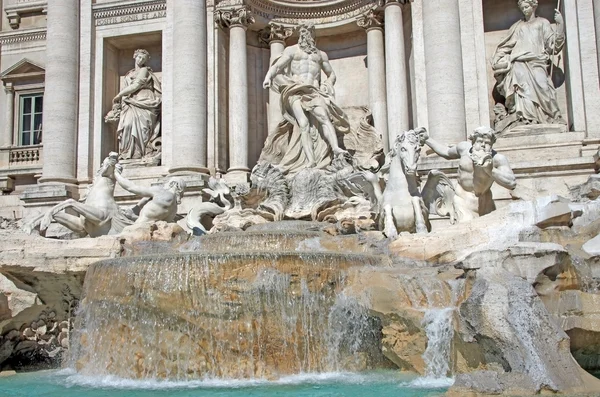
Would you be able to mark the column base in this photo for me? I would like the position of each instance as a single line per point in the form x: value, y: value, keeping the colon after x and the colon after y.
x: 237, y: 176
x: 188, y: 169
x: 57, y: 180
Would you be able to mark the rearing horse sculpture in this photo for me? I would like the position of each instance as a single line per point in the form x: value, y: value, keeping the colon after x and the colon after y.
x: 402, y: 208
x: 98, y: 214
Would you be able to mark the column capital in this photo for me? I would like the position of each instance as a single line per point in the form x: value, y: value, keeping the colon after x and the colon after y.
x: 395, y: 2
x: 239, y: 16
x: 9, y: 88
x: 371, y: 19
x: 275, y: 32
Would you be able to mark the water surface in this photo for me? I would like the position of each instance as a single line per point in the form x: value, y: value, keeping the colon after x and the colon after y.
x: 66, y: 383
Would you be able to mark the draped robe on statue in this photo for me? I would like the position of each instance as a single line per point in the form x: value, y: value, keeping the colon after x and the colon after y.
x: 139, y: 122
x: 525, y: 82
x: 283, y: 147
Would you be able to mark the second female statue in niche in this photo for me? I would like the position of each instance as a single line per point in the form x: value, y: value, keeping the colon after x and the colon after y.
x: 137, y: 109
x: 521, y: 67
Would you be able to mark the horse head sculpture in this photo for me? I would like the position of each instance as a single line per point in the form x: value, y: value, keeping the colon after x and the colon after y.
x: 407, y: 147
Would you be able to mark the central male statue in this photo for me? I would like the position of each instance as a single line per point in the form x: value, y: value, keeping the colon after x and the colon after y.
x: 306, y: 103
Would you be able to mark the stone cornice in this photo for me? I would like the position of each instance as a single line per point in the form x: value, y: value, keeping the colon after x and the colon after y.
x: 15, y: 9
x: 228, y: 17
x: 275, y: 32
x: 118, y: 12
x: 22, y: 36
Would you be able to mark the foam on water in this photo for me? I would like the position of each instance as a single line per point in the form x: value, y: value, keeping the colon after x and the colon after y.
x: 428, y: 382
x: 72, y: 378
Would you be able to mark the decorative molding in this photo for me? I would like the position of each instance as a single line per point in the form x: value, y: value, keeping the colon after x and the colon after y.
x: 15, y: 9
x: 371, y: 19
x: 275, y: 32
x: 22, y: 36
x: 125, y: 11
x: 227, y: 18
x: 295, y: 12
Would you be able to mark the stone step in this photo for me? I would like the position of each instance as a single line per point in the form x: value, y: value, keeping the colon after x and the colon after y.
x: 537, y: 139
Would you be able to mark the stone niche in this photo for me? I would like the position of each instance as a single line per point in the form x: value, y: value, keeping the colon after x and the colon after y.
x: 498, y: 17
x: 117, y: 61
x: 347, y: 52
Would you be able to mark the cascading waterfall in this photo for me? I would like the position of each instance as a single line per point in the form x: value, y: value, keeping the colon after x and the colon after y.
x: 439, y: 330
x: 223, y: 315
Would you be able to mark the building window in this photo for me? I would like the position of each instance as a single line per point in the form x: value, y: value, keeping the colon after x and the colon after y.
x: 30, y: 119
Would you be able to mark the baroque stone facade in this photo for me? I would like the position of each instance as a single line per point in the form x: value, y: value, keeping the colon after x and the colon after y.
x: 422, y: 63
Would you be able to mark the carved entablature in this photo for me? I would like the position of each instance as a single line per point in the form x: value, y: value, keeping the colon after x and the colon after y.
x: 15, y: 9
x: 294, y: 12
x: 125, y: 11
x: 228, y: 17
x: 275, y: 32
x: 8, y: 38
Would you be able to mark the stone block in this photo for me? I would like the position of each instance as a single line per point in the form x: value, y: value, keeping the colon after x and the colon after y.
x: 553, y: 211
x: 592, y: 246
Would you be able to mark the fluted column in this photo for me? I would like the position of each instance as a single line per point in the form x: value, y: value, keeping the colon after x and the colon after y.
x: 189, y: 86
x: 237, y: 21
x: 597, y: 23
x: 274, y: 35
x: 61, y: 92
x: 372, y: 22
x: 395, y: 70
x: 444, y: 70
x: 8, y: 132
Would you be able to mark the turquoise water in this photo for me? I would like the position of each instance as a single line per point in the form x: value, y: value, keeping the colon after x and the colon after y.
x: 65, y: 383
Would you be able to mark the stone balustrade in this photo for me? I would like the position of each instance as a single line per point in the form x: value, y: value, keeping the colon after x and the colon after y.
x: 19, y: 156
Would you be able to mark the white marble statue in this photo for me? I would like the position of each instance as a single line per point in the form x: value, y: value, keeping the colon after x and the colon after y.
x: 158, y: 203
x: 218, y: 190
x: 479, y: 167
x: 307, y: 138
x: 97, y: 215
x: 521, y: 67
x: 137, y: 108
x: 402, y: 208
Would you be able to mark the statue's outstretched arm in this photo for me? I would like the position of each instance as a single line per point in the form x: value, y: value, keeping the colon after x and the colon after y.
x: 132, y: 187
x: 445, y: 151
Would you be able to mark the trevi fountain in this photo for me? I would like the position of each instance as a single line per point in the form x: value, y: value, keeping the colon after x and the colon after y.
x: 303, y: 198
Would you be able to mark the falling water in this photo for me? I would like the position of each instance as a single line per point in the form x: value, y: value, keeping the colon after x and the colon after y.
x: 439, y: 330
x: 218, y: 315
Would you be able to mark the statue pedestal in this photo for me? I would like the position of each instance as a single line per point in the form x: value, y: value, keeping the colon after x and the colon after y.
x: 146, y: 162
x: 522, y: 130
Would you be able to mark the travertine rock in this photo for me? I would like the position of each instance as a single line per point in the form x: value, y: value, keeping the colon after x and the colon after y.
x: 505, y: 320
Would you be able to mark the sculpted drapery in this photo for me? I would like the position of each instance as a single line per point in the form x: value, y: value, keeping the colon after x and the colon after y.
x: 284, y: 146
x: 308, y: 135
x: 521, y: 67
x: 139, y: 116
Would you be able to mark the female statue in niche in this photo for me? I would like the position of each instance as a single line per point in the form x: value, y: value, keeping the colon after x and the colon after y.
x: 137, y: 109
x: 521, y: 67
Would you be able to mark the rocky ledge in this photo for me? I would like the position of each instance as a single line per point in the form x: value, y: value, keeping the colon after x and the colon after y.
x: 519, y: 287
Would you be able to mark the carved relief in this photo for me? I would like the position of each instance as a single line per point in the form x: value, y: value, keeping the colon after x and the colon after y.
x: 275, y: 32
x: 227, y: 18
x: 372, y: 19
